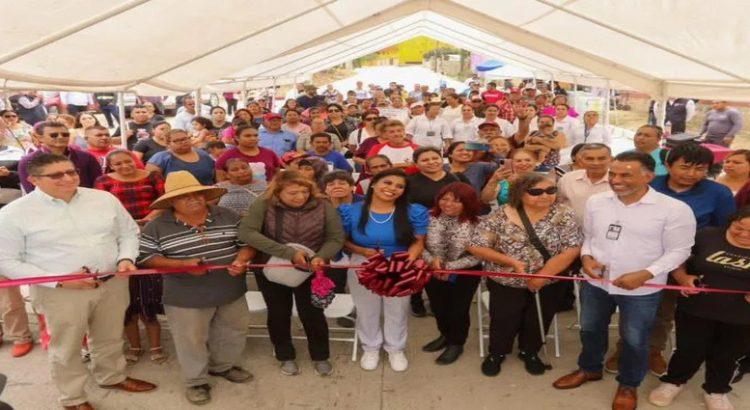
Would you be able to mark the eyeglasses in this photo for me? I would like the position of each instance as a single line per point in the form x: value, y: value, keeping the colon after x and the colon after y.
x: 56, y: 135
x: 539, y: 191
x: 56, y: 176
x: 334, y: 110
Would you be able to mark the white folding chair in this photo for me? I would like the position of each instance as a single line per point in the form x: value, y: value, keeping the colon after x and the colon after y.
x: 341, y: 307
x: 483, y: 304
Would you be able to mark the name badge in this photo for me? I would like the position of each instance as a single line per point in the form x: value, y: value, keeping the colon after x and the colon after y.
x: 613, y: 232
x: 430, y: 133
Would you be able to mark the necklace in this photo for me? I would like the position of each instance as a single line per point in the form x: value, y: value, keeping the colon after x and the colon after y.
x: 390, y: 215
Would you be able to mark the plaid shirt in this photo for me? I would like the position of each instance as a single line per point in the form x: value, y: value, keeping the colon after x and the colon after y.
x: 505, y: 110
x: 135, y: 196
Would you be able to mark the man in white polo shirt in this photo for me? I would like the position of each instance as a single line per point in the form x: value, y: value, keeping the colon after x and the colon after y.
x: 633, y: 236
x: 429, y: 129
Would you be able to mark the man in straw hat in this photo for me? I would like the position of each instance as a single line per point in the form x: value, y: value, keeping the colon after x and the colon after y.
x: 74, y: 230
x: 206, y: 308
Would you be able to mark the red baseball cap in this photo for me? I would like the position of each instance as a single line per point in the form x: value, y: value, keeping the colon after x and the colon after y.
x: 271, y: 116
x: 488, y: 124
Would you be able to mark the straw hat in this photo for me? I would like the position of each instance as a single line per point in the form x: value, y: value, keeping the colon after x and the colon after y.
x: 183, y: 182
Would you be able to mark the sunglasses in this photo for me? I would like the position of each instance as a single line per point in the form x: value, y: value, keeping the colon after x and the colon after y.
x: 539, y: 191
x: 56, y: 135
x: 56, y: 176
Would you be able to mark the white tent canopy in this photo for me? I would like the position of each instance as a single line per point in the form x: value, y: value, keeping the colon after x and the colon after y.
x: 167, y: 46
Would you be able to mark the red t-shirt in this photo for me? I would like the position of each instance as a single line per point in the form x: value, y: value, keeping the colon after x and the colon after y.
x: 265, y: 156
x: 492, y: 96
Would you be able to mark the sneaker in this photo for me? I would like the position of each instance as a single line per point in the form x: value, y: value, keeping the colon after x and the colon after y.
x: 492, y: 364
x: 398, y: 361
x: 656, y: 363
x: 370, y: 360
x: 21, y: 349
x: 199, y: 395
x: 323, y: 367
x: 663, y: 395
x: 533, y: 363
x: 717, y: 401
x: 289, y: 368
x: 235, y: 375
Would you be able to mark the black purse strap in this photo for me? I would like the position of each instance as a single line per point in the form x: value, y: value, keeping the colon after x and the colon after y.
x: 533, y: 238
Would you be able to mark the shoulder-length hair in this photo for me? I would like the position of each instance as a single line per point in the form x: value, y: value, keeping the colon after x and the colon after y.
x: 525, y: 182
x: 464, y: 193
x: 286, y: 178
x: 403, y: 229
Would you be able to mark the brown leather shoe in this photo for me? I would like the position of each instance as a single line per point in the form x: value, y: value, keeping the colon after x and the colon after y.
x: 656, y: 363
x: 132, y: 386
x: 575, y: 379
x: 625, y: 399
x: 82, y: 406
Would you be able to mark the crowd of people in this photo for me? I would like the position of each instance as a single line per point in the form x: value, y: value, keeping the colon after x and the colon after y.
x: 471, y: 181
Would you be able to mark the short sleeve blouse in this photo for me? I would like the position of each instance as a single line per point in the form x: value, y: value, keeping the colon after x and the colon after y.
x: 558, y: 231
x: 381, y: 235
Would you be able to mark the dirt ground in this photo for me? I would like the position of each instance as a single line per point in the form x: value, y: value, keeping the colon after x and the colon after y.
x: 424, y: 385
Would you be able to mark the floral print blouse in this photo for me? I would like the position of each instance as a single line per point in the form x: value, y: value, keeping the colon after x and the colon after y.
x: 447, y: 239
x: 558, y: 231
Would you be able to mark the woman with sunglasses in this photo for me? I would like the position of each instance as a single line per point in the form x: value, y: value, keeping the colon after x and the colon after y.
x: 385, y: 222
x: 337, y: 123
x: 20, y: 132
x: 506, y: 245
x: 366, y: 130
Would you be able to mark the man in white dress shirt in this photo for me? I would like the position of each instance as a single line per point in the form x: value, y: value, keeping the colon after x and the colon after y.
x: 633, y: 236
x: 74, y: 229
x: 429, y: 129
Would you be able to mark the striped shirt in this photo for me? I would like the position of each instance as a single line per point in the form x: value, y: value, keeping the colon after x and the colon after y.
x: 216, y: 242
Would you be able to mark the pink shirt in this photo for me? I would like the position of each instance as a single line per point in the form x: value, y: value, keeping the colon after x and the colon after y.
x: 265, y: 156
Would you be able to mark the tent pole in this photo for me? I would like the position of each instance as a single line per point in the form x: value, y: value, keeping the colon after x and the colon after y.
x: 121, y: 119
x: 273, y: 95
x: 614, y: 106
x: 606, y: 106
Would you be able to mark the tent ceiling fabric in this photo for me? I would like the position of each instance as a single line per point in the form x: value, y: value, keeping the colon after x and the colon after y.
x: 686, y: 48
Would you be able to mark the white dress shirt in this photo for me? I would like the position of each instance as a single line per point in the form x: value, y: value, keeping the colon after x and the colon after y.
x: 598, y: 133
x: 466, y: 130
x: 76, y: 98
x: 656, y: 234
x: 575, y: 188
x: 427, y: 132
x: 44, y: 236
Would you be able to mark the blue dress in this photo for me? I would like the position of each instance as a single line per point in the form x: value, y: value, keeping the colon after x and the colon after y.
x: 382, y: 236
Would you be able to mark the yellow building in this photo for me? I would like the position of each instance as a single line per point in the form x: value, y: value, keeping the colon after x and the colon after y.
x: 407, y: 52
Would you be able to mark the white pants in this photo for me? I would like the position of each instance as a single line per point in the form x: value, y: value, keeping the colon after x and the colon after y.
x: 369, y: 307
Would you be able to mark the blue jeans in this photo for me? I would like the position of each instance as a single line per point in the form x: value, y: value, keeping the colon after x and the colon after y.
x: 637, y: 317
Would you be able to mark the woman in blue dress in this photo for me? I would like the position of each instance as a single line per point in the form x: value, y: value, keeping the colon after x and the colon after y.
x: 384, y: 222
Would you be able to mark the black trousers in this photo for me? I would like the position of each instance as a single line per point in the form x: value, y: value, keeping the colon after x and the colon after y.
x: 338, y: 276
x: 719, y: 344
x: 278, y: 299
x: 451, y: 302
x: 513, y: 314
